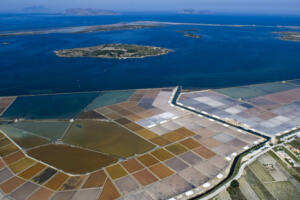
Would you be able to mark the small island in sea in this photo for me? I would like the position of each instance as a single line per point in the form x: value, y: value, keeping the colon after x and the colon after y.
x: 5, y: 43
x: 89, y: 12
x: 289, y: 36
x: 194, y: 12
x: 190, y: 33
x: 115, y: 51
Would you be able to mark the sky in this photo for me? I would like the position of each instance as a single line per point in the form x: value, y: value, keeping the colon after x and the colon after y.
x: 230, y: 6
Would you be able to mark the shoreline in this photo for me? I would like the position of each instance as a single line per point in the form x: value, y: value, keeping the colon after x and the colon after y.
x: 114, y: 51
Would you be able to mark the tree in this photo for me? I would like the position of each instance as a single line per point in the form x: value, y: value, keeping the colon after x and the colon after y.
x: 234, y: 184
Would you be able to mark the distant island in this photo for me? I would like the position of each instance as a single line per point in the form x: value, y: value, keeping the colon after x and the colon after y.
x: 115, y: 51
x: 289, y: 36
x: 83, y: 29
x: 190, y: 33
x: 37, y: 9
x: 194, y: 12
x: 5, y: 43
x: 89, y: 12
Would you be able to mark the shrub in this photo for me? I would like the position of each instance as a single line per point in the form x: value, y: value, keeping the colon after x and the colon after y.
x: 234, y: 184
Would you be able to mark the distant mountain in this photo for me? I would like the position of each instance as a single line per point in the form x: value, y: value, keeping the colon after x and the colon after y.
x: 36, y: 9
x: 195, y: 12
x: 89, y: 12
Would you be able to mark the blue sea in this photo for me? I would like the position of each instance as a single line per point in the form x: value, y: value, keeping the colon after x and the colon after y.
x: 224, y: 57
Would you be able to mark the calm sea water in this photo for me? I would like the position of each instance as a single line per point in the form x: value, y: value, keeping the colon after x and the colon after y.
x: 225, y: 56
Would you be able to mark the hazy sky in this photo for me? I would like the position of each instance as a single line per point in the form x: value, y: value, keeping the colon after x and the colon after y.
x: 249, y: 6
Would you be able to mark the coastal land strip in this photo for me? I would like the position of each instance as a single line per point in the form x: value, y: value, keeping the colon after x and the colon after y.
x: 82, y: 29
x: 126, y: 26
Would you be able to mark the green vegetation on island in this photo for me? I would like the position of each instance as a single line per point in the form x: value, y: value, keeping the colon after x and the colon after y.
x: 116, y: 51
x: 190, y: 33
x: 289, y: 36
x: 116, y: 27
